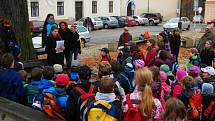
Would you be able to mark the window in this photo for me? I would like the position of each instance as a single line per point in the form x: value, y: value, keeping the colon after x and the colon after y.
x: 110, y: 6
x: 94, y: 6
x: 34, y: 9
x: 60, y: 8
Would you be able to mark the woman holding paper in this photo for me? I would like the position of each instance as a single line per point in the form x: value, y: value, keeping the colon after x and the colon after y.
x: 54, y: 48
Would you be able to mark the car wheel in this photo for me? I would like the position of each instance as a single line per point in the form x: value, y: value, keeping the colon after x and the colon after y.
x: 106, y: 26
x: 188, y: 28
x: 83, y: 43
x: 137, y: 23
x: 151, y: 23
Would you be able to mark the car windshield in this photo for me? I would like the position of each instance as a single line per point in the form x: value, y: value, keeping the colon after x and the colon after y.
x: 38, y: 23
x: 112, y: 19
x: 173, y: 20
x: 81, y: 29
x: 97, y: 19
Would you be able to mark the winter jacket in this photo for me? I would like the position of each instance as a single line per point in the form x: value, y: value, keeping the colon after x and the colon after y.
x: 204, y: 38
x: 11, y: 86
x: 60, y: 94
x: 156, y: 89
x: 73, y: 104
x: 177, y: 90
x: 185, y: 95
x: 206, y: 100
x: 66, y: 36
x: 105, y: 59
x: 75, y: 44
x: 158, y: 62
x: 165, y: 91
x: 53, y: 57
x: 124, y: 38
x: 45, y: 84
x: 49, y: 27
x: 111, y: 99
x: 136, y: 98
x: 195, y: 60
x: 207, y: 55
x: 150, y: 57
x: 175, y: 42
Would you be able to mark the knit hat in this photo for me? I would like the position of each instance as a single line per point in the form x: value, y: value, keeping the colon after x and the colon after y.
x: 140, y: 63
x: 62, y: 80
x: 106, y: 50
x: 163, y: 76
x: 209, y: 70
x: 58, y: 68
x: 194, y: 70
x: 164, y: 68
x: 207, y: 88
x: 180, y: 74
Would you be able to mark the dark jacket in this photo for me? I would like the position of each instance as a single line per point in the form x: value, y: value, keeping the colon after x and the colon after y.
x: 124, y: 38
x: 11, y: 86
x: 204, y: 38
x: 207, y: 55
x: 73, y: 105
x: 75, y: 42
x: 53, y: 57
x: 195, y: 60
x: 185, y: 95
x: 66, y: 36
x: 206, y: 100
x: 175, y: 42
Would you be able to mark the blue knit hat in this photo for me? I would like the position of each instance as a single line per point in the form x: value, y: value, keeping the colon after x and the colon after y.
x: 207, y: 88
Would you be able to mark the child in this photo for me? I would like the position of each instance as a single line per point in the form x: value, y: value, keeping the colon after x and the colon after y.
x: 151, y: 53
x: 156, y: 84
x: 58, y: 69
x: 59, y: 91
x: 105, y: 56
x: 207, y: 54
x: 194, y: 71
x: 174, y: 110
x: 150, y: 107
x: 165, y: 88
x: 24, y: 77
x: 208, y: 75
x: 48, y: 76
x: 194, y: 57
x: 139, y: 64
x: 176, y: 87
x: 105, y: 97
x: 33, y: 88
x: 136, y: 53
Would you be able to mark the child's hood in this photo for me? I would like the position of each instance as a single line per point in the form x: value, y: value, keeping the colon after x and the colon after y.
x: 108, y: 97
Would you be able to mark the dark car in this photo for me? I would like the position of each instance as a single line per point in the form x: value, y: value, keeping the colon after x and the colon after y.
x: 122, y: 21
x: 36, y: 27
x: 154, y: 18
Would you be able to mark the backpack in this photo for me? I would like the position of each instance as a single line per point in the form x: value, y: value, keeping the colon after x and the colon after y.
x: 86, y: 98
x: 209, y: 113
x: 123, y: 77
x: 195, y: 103
x: 133, y: 113
x: 32, y: 92
x: 102, y: 111
x: 51, y: 106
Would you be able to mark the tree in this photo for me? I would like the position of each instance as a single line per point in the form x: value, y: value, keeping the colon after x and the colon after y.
x: 17, y: 12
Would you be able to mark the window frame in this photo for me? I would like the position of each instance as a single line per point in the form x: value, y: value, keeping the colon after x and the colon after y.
x: 60, y: 8
x: 35, y: 9
x: 94, y: 7
x: 111, y: 6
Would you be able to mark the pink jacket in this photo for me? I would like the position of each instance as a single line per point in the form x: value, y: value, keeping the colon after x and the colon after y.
x: 165, y: 90
x: 177, y: 90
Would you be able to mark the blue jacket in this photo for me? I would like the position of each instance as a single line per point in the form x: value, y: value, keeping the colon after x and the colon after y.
x: 11, y: 86
x: 49, y: 26
x: 60, y: 94
x: 45, y: 84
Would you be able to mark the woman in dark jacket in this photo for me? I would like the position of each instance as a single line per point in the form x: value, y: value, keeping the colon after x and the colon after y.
x: 55, y: 55
x: 207, y: 54
x: 175, y: 42
x: 65, y: 35
x: 75, y: 43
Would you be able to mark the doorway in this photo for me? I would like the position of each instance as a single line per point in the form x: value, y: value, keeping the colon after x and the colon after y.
x: 129, y: 11
x: 78, y: 10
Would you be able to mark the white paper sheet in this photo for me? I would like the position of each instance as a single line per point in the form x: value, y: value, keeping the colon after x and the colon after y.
x: 60, y: 46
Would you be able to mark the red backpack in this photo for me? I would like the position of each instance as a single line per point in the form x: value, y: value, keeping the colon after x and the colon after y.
x: 195, y: 103
x: 86, y: 98
x: 133, y: 113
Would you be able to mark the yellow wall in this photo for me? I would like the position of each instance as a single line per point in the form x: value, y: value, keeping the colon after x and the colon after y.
x: 209, y: 10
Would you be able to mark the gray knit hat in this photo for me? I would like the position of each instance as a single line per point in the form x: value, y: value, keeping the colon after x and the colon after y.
x: 207, y: 88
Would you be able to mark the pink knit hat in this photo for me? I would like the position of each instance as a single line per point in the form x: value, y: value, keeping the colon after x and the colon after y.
x: 180, y: 74
x: 163, y: 76
x: 140, y: 63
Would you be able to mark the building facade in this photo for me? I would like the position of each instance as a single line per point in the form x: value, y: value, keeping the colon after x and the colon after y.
x: 72, y: 9
x: 209, y: 10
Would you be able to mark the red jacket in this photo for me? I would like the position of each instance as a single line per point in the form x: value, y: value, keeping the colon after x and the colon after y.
x: 141, y: 56
x: 105, y: 59
x: 150, y: 57
x: 177, y: 90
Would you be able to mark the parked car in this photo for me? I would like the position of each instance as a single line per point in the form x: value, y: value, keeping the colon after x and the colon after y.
x: 198, y: 19
x: 140, y: 20
x: 173, y: 23
x: 109, y: 22
x: 131, y: 21
x: 211, y: 21
x: 96, y: 23
x: 82, y: 31
x: 36, y: 27
x: 153, y: 18
x: 121, y: 21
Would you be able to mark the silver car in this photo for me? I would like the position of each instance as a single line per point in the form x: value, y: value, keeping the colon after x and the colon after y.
x: 109, y: 22
x: 173, y: 23
x: 96, y: 23
x: 140, y: 20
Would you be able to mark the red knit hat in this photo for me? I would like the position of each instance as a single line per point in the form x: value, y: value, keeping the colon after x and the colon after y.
x: 62, y: 79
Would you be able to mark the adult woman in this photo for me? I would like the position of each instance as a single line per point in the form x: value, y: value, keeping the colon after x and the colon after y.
x: 207, y: 53
x: 175, y: 42
x: 48, y: 24
x: 65, y: 35
x: 55, y: 54
x: 164, y: 41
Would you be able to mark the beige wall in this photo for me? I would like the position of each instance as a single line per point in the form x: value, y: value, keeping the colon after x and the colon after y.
x: 167, y: 8
x: 209, y: 10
